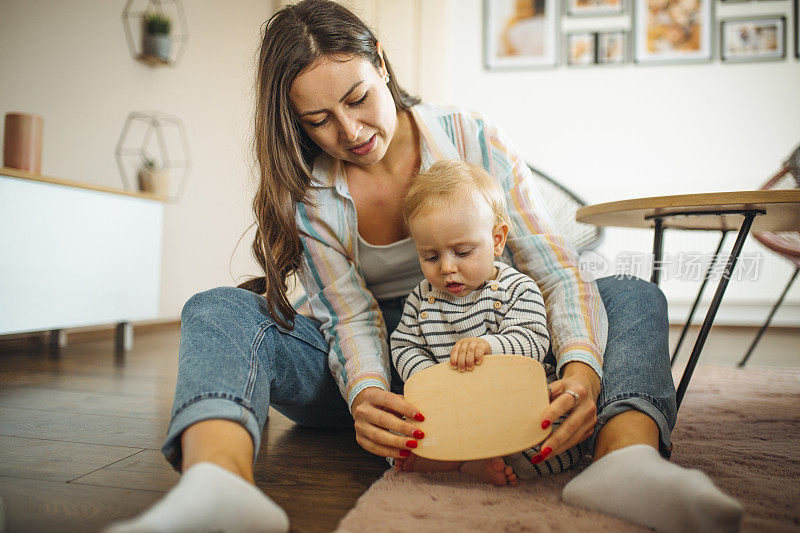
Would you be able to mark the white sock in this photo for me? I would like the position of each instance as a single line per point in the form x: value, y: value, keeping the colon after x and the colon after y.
x: 209, y: 498
x: 636, y: 484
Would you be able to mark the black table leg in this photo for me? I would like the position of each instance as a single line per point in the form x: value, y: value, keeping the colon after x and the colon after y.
x: 712, y: 310
x: 658, y: 238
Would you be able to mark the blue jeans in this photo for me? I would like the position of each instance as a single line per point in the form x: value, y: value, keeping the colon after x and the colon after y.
x: 234, y: 363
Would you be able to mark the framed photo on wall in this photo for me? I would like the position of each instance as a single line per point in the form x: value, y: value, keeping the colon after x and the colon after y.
x: 753, y: 39
x: 673, y: 31
x: 596, y: 48
x: 581, y: 48
x: 797, y: 29
x: 612, y: 48
x: 579, y: 8
x: 520, y: 33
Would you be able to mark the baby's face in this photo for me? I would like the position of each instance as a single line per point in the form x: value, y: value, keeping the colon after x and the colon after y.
x: 457, y: 246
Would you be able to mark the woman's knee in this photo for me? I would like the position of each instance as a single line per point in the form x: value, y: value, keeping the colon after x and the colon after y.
x: 634, y: 295
x: 220, y: 302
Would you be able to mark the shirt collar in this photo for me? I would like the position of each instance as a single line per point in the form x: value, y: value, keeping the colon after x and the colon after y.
x: 434, y: 142
x: 325, y: 171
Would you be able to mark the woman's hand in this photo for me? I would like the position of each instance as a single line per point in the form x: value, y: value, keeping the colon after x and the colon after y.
x: 579, y: 425
x: 375, y: 411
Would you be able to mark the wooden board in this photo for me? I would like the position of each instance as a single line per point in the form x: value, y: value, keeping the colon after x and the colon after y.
x: 491, y: 411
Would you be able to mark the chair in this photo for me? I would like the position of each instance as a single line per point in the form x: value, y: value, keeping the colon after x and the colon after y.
x: 786, y: 243
x: 563, y: 204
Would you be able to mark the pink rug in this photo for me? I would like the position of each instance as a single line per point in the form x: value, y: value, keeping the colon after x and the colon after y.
x: 741, y: 427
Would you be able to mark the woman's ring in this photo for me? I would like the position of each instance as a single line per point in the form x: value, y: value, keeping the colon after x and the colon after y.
x: 574, y: 395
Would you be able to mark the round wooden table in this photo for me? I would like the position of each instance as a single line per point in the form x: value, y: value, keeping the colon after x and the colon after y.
x: 770, y: 210
x: 705, y: 211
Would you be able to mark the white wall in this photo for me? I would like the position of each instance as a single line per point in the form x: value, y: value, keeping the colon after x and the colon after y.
x: 609, y: 133
x: 612, y: 133
x: 68, y: 61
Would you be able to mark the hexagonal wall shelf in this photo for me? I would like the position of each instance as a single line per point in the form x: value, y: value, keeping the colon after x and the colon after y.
x: 133, y: 16
x: 158, y: 138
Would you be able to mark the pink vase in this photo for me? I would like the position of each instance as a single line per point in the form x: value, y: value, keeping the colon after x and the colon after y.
x: 22, y: 146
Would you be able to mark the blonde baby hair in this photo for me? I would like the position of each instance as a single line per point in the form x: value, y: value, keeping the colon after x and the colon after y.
x: 447, y: 180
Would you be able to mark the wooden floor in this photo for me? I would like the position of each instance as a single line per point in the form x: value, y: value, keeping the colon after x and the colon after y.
x: 80, y: 435
x: 80, y: 439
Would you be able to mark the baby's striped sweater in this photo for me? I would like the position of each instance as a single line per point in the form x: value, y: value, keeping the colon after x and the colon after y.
x: 508, y: 312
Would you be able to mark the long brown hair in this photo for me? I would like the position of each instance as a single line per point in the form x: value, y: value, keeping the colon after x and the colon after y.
x: 296, y: 37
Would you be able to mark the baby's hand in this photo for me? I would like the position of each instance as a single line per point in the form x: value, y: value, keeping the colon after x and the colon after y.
x: 468, y: 352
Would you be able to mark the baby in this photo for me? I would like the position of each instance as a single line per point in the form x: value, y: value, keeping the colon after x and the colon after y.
x: 469, y: 304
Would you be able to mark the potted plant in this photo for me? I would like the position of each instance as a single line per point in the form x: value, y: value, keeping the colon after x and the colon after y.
x: 157, y: 26
x: 153, y: 178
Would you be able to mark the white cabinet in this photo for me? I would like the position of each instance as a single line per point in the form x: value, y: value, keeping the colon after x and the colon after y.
x: 74, y: 255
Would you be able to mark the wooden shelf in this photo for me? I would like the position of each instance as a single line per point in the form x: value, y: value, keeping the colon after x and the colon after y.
x: 21, y: 174
x: 154, y: 61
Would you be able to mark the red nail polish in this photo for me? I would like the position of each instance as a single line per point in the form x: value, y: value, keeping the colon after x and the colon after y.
x: 545, y: 424
x: 411, y: 443
x: 547, y: 451
x: 537, y: 459
x: 418, y: 434
x: 418, y: 417
x: 404, y: 453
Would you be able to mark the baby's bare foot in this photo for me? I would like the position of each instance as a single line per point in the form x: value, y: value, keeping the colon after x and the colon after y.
x: 415, y: 463
x: 494, y: 471
x: 407, y: 463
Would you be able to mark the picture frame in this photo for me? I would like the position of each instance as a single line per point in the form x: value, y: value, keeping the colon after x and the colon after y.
x: 596, y: 48
x: 593, y: 8
x: 612, y: 47
x: 745, y: 39
x: 581, y: 48
x: 797, y: 29
x: 673, y: 31
x: 520, y: 34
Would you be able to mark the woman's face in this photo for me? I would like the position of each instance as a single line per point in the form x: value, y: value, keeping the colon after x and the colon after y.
x: 346, y: 108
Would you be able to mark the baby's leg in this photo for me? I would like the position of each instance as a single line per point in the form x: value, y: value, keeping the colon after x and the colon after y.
x: 494, y: 471
x: 415, y: 463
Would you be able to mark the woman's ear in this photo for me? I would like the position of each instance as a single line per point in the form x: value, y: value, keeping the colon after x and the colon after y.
x: 499, y: 236
x: 384, y: 72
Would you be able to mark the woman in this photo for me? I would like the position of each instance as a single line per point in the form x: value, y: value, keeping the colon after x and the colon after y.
x: 337, y: 141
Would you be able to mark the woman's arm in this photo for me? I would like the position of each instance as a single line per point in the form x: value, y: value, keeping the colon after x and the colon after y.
x: 353, y: 326
x: 576, y: 316
x: 350, y: 318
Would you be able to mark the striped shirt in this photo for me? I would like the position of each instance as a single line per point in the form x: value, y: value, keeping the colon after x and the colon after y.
x: 348, y: 313
x: 507, y: 312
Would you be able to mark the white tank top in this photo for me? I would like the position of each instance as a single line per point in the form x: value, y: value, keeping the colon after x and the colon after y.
x: 391, y: 271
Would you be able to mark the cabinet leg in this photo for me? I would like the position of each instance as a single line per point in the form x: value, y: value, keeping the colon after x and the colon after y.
x: 56, y: 339
x: 123, y: 338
